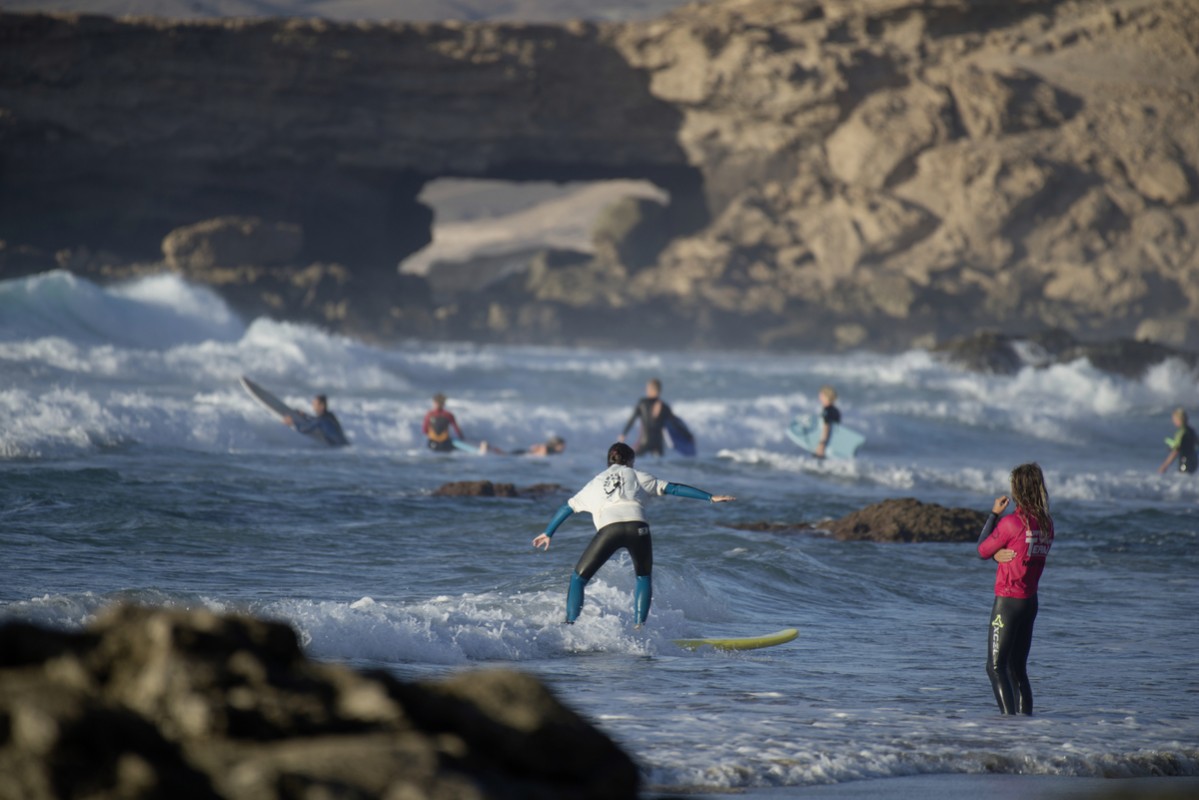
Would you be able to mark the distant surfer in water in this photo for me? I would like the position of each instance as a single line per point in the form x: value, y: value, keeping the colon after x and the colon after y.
x: 830, y: 415
x: 553, y: 446
x: 1183, y: 445
x: 653, y: 413
x: 1020, y: 544
x: 322, y: 424
x: 615, y: 498
x: 437, y: 426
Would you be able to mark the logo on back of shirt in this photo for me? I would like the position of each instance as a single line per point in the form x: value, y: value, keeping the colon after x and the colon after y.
x: 1038, y: 543
x: 613, y: 484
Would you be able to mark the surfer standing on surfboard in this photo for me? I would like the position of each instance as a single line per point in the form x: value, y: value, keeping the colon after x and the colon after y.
x: 614, y: 500
x: 654, y: 413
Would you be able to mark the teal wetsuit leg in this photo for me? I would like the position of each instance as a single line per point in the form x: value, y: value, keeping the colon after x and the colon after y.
x: 574, y: 597
x: 642, y: 596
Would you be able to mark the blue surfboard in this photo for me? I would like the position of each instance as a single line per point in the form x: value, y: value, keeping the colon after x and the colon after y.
x: 680, y: 436
x: 843, y: 442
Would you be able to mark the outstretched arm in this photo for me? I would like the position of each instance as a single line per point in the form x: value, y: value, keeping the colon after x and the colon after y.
x: 563, y: 513
x: 1166, y: 464
x: 683, y: 490
x: 632, y: 418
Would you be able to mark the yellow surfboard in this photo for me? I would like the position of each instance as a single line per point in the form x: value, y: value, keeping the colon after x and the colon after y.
x: 742, y: 643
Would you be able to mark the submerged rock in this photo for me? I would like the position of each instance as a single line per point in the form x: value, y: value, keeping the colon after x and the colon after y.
x: 475, y: 489
x: 909, y: 520
x: 190, y: 704
x: 489, y: 489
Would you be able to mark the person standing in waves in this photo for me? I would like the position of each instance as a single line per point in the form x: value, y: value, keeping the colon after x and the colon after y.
x: 653, y: 413
x: 614, y: 499
x: 1184, y: 445
x: 1019, y: 543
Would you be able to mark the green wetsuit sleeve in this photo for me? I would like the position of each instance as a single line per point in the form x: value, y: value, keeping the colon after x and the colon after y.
x: 561, y: 516
x: 1175, y: 441
x: 683, y: 490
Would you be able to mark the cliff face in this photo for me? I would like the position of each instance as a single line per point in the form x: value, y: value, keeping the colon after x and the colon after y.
x: 924, y: 168
x: 840, y: 172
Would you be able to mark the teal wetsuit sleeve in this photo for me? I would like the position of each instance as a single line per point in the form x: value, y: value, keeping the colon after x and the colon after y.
x: 683, y: 490
x: 563, y: 514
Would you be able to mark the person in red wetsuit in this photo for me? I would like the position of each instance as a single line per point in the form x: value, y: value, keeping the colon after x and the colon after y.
x: 1020, y: 544
x: 437, y: 425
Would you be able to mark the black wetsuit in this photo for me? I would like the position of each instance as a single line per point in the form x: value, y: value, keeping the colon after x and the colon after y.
x: 831, y: 415
x: 651, y: 439
x: 1008, y: 644
x: 632, y: 536
x: 1188, y: 444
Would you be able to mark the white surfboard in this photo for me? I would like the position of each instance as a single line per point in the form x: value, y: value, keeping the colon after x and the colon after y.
x: 281, y: 410
x: 805, y: 430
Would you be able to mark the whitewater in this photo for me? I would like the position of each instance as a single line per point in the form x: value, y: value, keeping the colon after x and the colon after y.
x: 133, y: 467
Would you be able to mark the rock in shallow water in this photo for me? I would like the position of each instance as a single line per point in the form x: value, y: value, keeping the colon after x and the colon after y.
x: 190, y: 704
x: 909, y: 520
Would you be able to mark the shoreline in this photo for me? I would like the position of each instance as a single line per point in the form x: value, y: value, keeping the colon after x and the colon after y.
x: 989, y: 786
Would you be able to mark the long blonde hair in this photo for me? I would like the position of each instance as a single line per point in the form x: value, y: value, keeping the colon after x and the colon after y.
x: 1030, y: 494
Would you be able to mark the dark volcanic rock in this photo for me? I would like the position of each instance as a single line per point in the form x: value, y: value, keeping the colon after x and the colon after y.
x: 986, y: 351
x: 194, y: 705
x: 490, y: 489
x: 232, y: 242
x: 909, y: 520
x: 476, y: 489
x: 997, y: 353
x: 773, y: 527
x: 840, y: 173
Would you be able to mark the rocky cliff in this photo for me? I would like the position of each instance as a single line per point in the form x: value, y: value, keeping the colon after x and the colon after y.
x: 840, y: 172
x: 174, y: 704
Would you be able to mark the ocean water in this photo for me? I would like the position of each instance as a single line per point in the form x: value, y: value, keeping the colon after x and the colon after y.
x: 134, y: 468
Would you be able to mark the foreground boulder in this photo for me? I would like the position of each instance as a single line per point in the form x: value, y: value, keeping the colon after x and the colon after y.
x: 189, y: 704
x: 909, y: 520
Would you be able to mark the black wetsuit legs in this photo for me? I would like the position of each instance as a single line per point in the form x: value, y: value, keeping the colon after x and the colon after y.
x: 633, y: 536
x: 1009, y: 641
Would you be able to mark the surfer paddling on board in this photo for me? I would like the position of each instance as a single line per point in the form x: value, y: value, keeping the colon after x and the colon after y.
x: 615, y: 499
x: 1020, y: 544
x: 1183, y: 445
x: 653, y: 413
x: 322, y: 424
x: 553, y: 446
x: 830, y: 415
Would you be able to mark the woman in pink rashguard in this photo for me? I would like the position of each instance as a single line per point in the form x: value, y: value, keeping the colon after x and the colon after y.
x: 1019, y: 543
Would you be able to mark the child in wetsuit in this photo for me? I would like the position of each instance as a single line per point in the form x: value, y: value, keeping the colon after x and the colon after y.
x: 437, y: 424
x: 830, y: 415
x: 1183, y: 445
x: 614, y: 498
